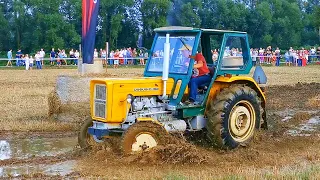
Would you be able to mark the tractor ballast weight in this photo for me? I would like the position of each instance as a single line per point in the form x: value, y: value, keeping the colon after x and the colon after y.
x: 145, y: 110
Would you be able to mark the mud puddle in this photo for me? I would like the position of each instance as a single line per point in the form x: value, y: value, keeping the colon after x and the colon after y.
x: 306, y: 129
x: 61, y: 168
x: 303, y: 123
x: 37, y: 147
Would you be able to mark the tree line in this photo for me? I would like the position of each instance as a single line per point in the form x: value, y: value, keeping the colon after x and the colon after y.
x: 33, y: 24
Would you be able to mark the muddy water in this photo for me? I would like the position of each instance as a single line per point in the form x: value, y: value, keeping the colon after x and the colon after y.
x: 62, y: 168
x: 309, y: 127
x: 26, y: 148
x: 36, y: 147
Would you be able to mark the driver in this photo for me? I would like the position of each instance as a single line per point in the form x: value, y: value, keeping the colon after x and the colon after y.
x: 200, y: 76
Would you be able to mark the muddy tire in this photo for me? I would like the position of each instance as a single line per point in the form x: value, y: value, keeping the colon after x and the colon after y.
x: 143, y: 136
x: 86, y: 140
x: 234, y: 116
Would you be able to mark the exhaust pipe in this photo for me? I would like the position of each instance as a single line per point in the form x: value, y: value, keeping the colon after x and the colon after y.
x: 165, y: 70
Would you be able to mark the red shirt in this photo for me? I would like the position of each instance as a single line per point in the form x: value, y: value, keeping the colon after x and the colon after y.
x: 204, y: 69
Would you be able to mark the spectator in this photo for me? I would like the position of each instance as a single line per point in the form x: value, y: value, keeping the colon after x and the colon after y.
x: 52, y: 57
x: 111, y: 56
x: 261, y: 54
x: 312, y: 54
x: 95, y: 54
x: 255, y: 53
x: 287, y: 58
x: 31, y: 62
x: 104, y: 57
x: 116, y: 59
x: 141, y: 57
x: 76, y: 55
x: 277, y: 53
x: 134, y: 56
x: 214, y: 56
x: 71, y: 55
x: 318, y: 53
x: 121, y: 56
x: 9, y: 55
x: 27, y: 61
x: 42, y: 54
x: 18, y: 57
x: 38, y: 60
x: 22, y: 61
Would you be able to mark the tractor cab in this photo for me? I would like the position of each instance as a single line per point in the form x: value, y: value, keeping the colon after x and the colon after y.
x: 226, y: 53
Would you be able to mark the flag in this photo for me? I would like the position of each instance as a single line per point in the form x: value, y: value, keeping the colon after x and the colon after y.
x: 90, y: 10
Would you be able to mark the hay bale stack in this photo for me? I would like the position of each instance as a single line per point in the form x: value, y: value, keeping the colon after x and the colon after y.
x: 70, y: 100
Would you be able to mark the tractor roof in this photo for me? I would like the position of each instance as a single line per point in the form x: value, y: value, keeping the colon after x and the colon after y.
x: 191, y: 29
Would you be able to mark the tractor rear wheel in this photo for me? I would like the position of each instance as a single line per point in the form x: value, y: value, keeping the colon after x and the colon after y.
x: 143, y: 136
x: 234, y: 116
x: 85, y: 139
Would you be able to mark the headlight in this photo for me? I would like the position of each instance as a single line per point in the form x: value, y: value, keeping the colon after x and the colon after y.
x: 130, y: 98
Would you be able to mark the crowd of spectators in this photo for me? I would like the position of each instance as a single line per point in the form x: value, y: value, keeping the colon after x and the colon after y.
x: 56, y: 57
x: 127, y: 56
x: 132, y: 56
x: 292, y: 57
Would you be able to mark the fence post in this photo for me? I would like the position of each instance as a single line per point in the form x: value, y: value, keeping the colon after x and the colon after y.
x: 107, y: 54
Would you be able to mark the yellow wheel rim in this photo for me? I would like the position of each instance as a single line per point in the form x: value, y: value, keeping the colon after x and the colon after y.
x: 143, y: 142
x: 242, y: 121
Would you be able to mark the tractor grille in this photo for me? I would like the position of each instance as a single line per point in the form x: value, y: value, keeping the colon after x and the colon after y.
x: 100, y: 101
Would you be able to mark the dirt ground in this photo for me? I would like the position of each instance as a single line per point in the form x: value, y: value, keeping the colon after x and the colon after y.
x: 289, y: 149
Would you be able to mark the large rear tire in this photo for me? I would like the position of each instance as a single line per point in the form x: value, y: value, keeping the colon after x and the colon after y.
x: 234, y: 116
x: 143, y: 136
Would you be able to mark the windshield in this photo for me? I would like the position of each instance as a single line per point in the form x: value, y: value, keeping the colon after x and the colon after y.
x: 180, y: 49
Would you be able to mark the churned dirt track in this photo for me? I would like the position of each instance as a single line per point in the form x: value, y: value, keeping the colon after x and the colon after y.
x: 283, y: 151
x: 274, y: 153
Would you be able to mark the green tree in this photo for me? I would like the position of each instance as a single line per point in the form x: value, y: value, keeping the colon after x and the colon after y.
x: 154, y: 15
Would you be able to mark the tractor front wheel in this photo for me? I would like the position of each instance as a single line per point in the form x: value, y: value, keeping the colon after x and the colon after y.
x: 85, y: 139
x: 234, y: 116
x: 143, y: 136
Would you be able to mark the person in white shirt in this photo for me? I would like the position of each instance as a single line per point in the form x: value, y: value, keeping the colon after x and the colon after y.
x: 42, y: 54
x: 76, y: 55
x: 71, y: 55
x: 30, y: 63
x: 38, y: 60
x: 27, y: 61
x: 110, y: 61
x: 95, y: 53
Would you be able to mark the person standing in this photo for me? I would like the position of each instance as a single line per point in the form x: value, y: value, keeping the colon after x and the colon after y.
x: 104, y: 57
x: 76, y: 55
x: 52, y: 57
x: 111, y: 56
x: 31, y: 62
x: 18, y: 57
x: 38, y: 60
x: 42, y: 54
x: 71, y: 55
x: 277, y: 53
x: 9, y: 55
x: 287, y: 58
x: 27, y: 61
x: 141, y: 57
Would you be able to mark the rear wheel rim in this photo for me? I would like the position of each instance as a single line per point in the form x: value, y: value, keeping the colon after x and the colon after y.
x: 242, y: 121
x: 144, y: 141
